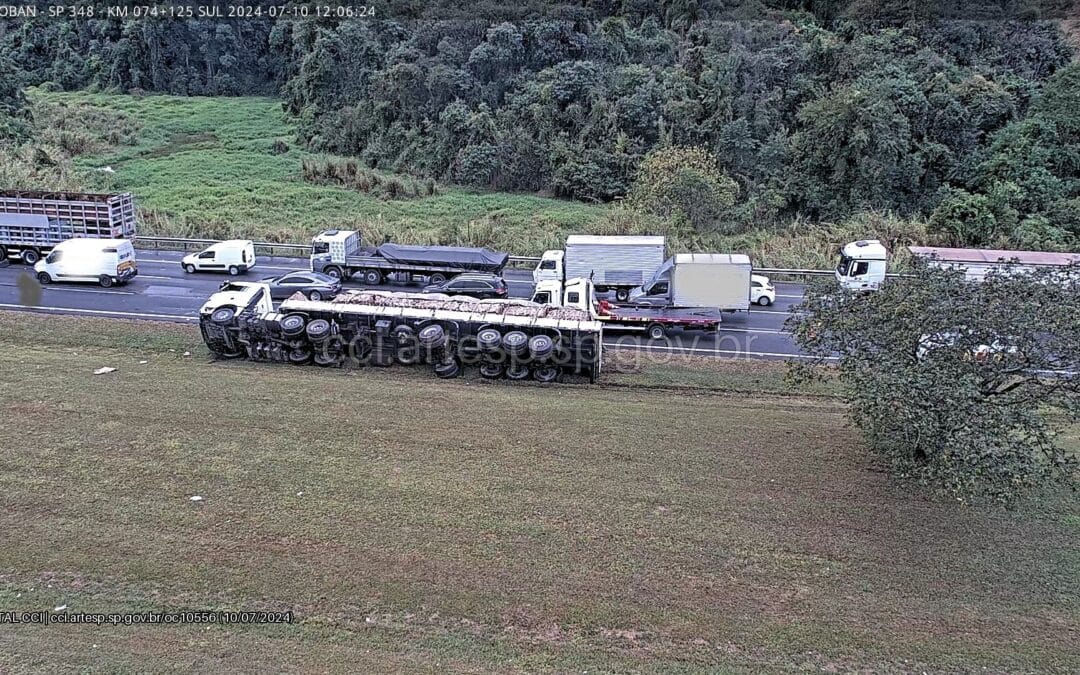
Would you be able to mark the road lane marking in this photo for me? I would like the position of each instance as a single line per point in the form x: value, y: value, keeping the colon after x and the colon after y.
x: 736, y: 352
x: 86, y: 290
x: 168, y: 317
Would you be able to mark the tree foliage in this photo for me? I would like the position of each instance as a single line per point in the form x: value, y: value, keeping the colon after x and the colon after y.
x: 960, y: 385
x: 684, y: 182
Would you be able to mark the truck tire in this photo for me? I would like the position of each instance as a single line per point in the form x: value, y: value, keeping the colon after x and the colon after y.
x: 293, y: 324
x: 373, y: 277
x: 234, y: 271
x: 189, y: 268
x: 299, y: 356
x: 223, y: 316
x: 437, y: 278
x: 492, y: 371
x: 30, y: 256
x: 318, y: 330
x: 432, y: 337
x: 488, y: 340
x: 335, y: 271
x: 622, y: 295
x: 105, y: 280
x: 541, y: 346
x: 447, y: 369
x: 44, y: 279
x: 656, y: 331
x: 515, y: 343
x: 517, y: 371
x: 327, y: 359
x: 546, y: 374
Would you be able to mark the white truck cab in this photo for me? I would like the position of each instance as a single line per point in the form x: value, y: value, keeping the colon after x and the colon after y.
x: 576, y: 293
x: 235, y: 256
x: 862, y: 265
x: 550, y: 267
x: 103, y: 261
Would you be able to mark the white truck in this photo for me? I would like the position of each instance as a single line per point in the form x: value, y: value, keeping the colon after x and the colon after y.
x: 862, y: 265
x: 714, y: 280
x: 33, y: 221
x: 516, y: 339
x: 613, y: 263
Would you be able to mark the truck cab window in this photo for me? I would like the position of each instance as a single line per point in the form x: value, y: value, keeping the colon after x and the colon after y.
x: 573, y: 298
x: 660, y: 288
x: 542, y: 298
x: 860, y: 268
x: 320, y: 247
x: 54, y: 257
x: 547, y: 265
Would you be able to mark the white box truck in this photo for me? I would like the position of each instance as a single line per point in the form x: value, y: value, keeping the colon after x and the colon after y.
x: 710, y: 280
x: 613, y: 262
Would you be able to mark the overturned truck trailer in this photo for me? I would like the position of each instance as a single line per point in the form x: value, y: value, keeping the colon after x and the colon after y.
x: 501, y: 338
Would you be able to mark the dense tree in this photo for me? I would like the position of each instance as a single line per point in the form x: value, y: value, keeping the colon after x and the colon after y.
x: 962, y: 391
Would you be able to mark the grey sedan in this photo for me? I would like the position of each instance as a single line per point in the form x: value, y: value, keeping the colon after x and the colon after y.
x: 315, y: 285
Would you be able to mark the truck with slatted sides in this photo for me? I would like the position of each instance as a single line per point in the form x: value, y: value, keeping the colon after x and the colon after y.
x: 33, y: 221
x: 515, y: 339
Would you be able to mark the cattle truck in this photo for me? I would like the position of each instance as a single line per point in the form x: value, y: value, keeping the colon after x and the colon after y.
x: 614, y: 263
x: 341, y: 254
x: 32, y: 222
x: 515, y: 339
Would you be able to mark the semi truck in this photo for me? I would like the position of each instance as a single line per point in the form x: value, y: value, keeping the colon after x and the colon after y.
x: 863, y: 263
x: 32, y: 221
x: 614, y: 263
x: 340, y: 254
x: 712, y: 280
x: 515, y: 339
x: 656, y: 322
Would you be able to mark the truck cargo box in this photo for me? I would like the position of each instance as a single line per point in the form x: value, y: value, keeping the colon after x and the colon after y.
x: 613, y: 261
x: 34, y: 218
x: 718, y: 280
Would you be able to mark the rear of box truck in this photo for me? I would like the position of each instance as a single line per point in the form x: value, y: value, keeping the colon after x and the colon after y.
x: 714, y: 280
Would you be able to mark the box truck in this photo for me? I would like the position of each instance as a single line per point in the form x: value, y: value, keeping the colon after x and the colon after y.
x: 613, y: 263
x: 708, y: 280
x: 32, y: 221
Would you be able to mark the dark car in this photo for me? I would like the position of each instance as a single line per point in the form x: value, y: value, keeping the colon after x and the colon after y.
x: 475, y: 285
x: 314, y: 285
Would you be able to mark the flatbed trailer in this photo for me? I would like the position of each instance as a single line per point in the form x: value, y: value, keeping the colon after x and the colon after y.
x: 33, y: 221
x: 657, y: 321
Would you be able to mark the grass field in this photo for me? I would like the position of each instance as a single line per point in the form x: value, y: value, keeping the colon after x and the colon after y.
x: 414, y: 524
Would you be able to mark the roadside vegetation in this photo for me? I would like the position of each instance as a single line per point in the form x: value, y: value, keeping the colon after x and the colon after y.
x: 648, y: 529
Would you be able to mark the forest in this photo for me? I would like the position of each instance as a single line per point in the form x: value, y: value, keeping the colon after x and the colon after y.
x: 726, y: 116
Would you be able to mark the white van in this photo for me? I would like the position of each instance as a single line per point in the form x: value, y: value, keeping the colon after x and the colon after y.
x: 235, y: 256
x: 104, y: 261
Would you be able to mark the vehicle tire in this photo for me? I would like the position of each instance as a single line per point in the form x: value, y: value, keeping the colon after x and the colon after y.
x: 30, y: 256
x: 373, y: 277
x: 436, y: 279
x: 492, y: 371
x: 488, y: 340
x: 447, y: 369
x: 223, y: 316
x: 408, y: 356
x: 403, y: 335
x: 622, y: 295
x: 541, y: 346
x: 189, y: 268
x: 334, y: 271
x: 3, y: 254
x: 515, y: 343
x: 299, y: 356
x: 234, y: 271
x: 327, y: 360
x: 293, y: 324
x: 315, y: 296
x: 44, y: 279
x: 656, y: 332
x: 319, y: 329
x: 432, y: 337
x: 105, y: 280
x: 546, y: 374
x: 517, y: 371
x: 764, y: 301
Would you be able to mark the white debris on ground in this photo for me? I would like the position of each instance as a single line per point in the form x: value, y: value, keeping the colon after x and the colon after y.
x: 59, y: 608
x: 143, y: 363
x: 104, y: 370
x: 186, y: 354
x: 196, y: 498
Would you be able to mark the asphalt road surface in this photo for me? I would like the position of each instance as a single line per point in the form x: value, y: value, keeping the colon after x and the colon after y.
x: 163, y: 291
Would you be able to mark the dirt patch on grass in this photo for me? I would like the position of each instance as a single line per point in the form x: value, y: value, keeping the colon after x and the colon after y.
x: 204, y: 140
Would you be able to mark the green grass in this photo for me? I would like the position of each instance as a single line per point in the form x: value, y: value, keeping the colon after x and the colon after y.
x: 448, y: 526
x: 205, y: 167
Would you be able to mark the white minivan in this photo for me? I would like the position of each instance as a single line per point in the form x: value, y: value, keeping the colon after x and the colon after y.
x: 103, y: 261
x: 235, y: 256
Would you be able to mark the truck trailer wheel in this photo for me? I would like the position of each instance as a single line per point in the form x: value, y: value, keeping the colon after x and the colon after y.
x: 293, y: 324
x: 373, y: 277
x: 30, y: 256
x: 437, y: 278
x: 656, y: 332
x: 622, y: 295
x: 319, y: 329
x: 546, y: 374
x: 488, y: 340
x: 515, y: 343
x: 44, y: 278
x: 541, y: 346
x: 492, y: 371
x: 517, y: 371
x: 432, y: 337
x: 448, y: 369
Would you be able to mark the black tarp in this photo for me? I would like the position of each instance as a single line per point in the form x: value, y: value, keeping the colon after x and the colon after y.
x: 473, y: 259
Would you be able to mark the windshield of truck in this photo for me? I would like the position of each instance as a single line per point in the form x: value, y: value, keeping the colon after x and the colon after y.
x: 844, y: 265
x: 662, y: 272
x: 320, y: 247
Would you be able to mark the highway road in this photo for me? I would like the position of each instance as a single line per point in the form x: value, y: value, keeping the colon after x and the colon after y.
x: 162, y: 291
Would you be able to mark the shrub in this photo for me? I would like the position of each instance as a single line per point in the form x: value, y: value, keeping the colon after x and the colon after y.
x: 684, y: 180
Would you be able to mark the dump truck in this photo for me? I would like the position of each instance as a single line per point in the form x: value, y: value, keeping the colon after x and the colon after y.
x: 340, y: 254
x: 862, y: 265
x: 704, y: 280
x: 32, y: 221
x: 613, y: 263
x: 515, y: 339
x: 656, y: 322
